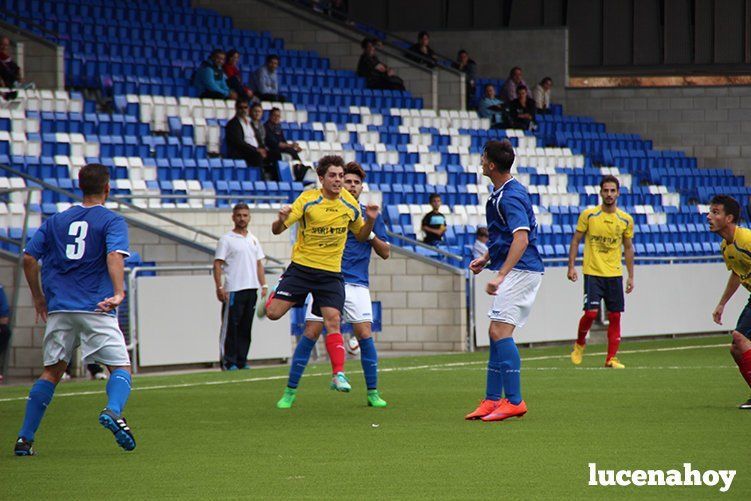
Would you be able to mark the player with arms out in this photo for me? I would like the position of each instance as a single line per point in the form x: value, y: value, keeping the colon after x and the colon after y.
x: 323, y: 217
x: 83, y: 253
x: 512, y: 253
x: 724, y: 215
x: 608, y: 230
x: 358, y: 309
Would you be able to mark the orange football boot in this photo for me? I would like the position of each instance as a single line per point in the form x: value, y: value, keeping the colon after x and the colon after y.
x: 506, y: 410
x: 485, y: 408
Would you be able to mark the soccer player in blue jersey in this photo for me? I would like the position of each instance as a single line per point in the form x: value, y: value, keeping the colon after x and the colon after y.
x: 82, y: 253
x: 513, y: 255
x: 358, y: 309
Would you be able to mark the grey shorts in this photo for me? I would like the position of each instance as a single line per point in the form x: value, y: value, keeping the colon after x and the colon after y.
x: 98, y: 335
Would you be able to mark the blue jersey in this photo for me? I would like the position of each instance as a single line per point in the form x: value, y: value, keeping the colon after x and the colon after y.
x: 356, y: 258
x: 509, y: 209
x: 73, y: 247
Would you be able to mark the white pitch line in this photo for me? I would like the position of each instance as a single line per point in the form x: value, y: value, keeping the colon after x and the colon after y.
x: 382, y: 370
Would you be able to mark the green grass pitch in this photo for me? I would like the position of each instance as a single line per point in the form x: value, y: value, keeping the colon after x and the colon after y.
x: 219, y: 435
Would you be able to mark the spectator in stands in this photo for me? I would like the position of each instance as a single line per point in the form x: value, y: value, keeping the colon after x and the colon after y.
x: 522, y: 110
x: 267, y: 80
x: 234, y: 76
x: 514, y: 80
x: 376, y: 74
x: 275, y: 141
x: 241, y: 138
x: 434, y: 223
x: 338, y: 9
x: 541, y: 95
x: 209, y: 78
x: 468, y: 66
x: 481, y: 242
x: 239, y: 257
x: 491, y: 107
x: 10, y: 73
x: 421, y: 51
x: 4, y: 326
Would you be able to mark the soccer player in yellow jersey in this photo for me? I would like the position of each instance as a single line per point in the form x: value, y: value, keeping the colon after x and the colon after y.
x: 723, y: 217
x: 323, y: 217
x: 608, y: 230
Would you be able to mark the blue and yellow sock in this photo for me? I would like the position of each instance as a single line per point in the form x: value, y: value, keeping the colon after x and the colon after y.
x: 369, y: 361
x: 300, y: 361
x: 40, y: 397
x: 494, y: 382
x: 511, y: 365
x: 118, y: 390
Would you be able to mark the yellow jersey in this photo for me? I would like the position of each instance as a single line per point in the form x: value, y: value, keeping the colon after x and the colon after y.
x: 603, y: 244
x: 737, y: 255
x: 322, y: 228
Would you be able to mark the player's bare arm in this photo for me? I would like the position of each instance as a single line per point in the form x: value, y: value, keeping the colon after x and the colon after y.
x: 628, y: 253
x: 383, y: 249
x: 31, y: 271
x: 278, y: 226
x: 116, y: 270
x: 477, y: 265
x: 734, y: 281
x: 371, y: 213
x: 262, y: 278
x: 515, y: 253
x: 221, y: 294
x: 573, y: 251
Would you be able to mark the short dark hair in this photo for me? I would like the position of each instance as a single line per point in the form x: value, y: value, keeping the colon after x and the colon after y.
x: 488, y: 85
x: 356, y: 169
x: 256, y: 105
x: 240, y: 102
x: 231, y: 53
x: 240, y: 206
x: 215, y: 52
x: 461, y: 51
x: 482, y: 231
x: 328, y: 161
x: 500, y: 153
x: 546, y: 80
x: 729, y: 205
x: 271, y: 57
x: 366, y: 41
x: 520, y: 88
x: 433, y: 196
x: 511, y: 72
x: 610, y: 179
x: 272, y: 110
x: 92, y: 179
x: 422, y: 34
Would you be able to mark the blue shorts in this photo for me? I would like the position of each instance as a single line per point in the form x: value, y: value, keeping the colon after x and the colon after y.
x: 298, y: 281
x: 608, y: 288
x: 4, y: 306
x: 744, y: 320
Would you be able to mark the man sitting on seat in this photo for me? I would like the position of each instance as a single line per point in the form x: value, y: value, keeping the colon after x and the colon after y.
x: 209, y: 78
x: 241, y: 138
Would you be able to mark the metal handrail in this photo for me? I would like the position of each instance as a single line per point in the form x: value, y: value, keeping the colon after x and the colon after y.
x: 412, y: 241
x: 32, y: 24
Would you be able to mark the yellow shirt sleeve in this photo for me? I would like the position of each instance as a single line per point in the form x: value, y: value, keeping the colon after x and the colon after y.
x: 582, y: 225
x: 356, y: 225
x: 629, y: 233
x: 298, y: 208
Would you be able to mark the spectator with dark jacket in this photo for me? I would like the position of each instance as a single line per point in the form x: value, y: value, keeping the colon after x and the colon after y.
x: 209, y: 78
x: 10, y: 73
x: 234, y: 76
x: 241, y: 138
x: 276, y: 143
x: 522, y: 110
x: 421, y: 52
x: 376, y: 74
x: 467, y: 66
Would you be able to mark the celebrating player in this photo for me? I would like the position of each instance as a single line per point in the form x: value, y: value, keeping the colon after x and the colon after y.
x: 358, y: 309
x: 723, y: 217
x: 607, y: 229
x: 324, y: 216
x: 512, y: 252
x: 82, y: 252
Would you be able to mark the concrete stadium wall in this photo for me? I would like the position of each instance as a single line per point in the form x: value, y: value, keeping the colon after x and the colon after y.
x: 710, y: 123
x: 539, y: 52
x: 303, y: 30
x: 41, y: 61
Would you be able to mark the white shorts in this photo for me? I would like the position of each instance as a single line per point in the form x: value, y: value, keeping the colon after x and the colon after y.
x: 357, y: 306
x: 98, y: 335
x: 515, y: 297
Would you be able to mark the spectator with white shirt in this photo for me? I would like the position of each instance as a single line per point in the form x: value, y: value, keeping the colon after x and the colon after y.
x: 481, y: 242
x: 238, y: 260
x: 241, y: 138
x: 541, y: 95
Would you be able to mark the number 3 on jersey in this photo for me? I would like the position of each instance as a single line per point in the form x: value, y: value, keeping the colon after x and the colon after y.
x: 77, y: 229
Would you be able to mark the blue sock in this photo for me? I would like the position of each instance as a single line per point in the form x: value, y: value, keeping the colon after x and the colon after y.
x: 118, y: 390
x: 494, y: 382
x: 369, y: 360
x: 300, y: 361
x: 511, y: 366
x: 40, y: 397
